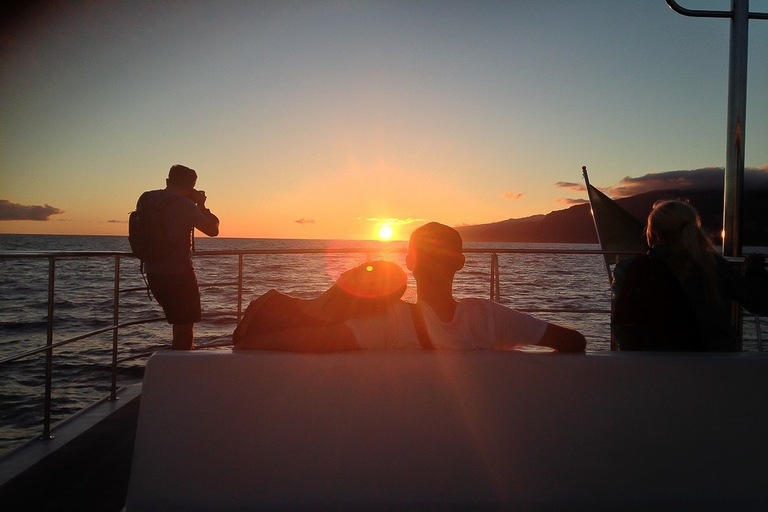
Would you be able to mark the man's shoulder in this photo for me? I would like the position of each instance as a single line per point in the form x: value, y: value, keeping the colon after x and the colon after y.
x: 152, y: 198
x: 476, y: 302
x: 166, y: 199
x: 476, y: 306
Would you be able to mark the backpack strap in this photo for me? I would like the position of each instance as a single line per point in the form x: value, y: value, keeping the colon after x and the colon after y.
x: 421, y: 327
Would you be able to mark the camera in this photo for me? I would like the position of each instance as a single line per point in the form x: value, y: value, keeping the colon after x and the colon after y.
x: 198, y: 196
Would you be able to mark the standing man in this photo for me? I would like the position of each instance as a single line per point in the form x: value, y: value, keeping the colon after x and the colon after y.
x: 172, y: 278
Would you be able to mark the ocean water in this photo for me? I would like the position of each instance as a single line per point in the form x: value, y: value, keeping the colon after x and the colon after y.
x: 84, y: 302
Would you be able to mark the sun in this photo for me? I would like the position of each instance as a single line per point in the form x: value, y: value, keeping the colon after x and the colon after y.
x: 386, y: 232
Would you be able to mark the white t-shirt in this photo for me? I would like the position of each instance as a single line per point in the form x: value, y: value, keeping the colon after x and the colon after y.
x: 476, y: 324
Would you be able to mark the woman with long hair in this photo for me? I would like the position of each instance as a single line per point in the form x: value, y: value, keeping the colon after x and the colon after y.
x: 678, y: 296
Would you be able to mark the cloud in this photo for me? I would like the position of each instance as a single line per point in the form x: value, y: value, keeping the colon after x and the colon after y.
x: 512, y: 195
x: 13, y: 211
x: 303, y: 221
x: 113, y: 221
x: 577, y: 187
x: 707, y: 178
x: 571, y: 201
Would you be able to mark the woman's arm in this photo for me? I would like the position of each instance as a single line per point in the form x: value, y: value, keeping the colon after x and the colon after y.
x: 563, y: 339
x: 750, y: 290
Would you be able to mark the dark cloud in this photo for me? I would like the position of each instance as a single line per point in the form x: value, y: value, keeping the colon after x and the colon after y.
x: 305, y: 221
x: 113, y: 221
x: 571, y: 201
x: 577, y: 187
x: 707, y: 178
x: 512, y: 195
x: 13, y: 211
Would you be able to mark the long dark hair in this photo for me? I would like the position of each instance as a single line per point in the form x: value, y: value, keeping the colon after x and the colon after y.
x: 677, y: 224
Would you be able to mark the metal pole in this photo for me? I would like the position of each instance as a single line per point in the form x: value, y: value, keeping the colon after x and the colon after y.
x: 115, y: 323
x: 49, y: 352
x: 495, y: 293
x: 239, y: 287
x: 494, y: 275
x: 734, y: 152
x: 736, y: 123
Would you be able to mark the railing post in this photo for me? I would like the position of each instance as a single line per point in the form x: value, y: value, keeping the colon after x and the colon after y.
x: 495, y: 288
x: 736, y: 123
x: 49, y: 353
x: 239, y: 287
x: 115, y: 323
x: 734, y: 154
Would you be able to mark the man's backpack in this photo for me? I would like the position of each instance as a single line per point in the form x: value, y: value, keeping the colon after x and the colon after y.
x: 146, y: 230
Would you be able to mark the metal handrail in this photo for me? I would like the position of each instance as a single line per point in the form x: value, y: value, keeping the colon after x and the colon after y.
x: 39, y: 350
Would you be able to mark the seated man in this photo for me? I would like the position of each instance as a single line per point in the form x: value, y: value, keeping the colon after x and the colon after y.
x: 437, y: 320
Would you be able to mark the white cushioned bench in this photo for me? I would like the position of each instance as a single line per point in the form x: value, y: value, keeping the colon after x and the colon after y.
x: 451, y: 431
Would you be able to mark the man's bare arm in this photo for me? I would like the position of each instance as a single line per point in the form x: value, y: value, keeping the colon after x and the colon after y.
x: 209, y: 224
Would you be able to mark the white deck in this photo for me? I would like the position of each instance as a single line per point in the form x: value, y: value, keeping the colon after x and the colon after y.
x: 451, y: 430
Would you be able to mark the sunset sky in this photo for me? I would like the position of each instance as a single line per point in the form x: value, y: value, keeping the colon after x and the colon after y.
x: 328, y: 119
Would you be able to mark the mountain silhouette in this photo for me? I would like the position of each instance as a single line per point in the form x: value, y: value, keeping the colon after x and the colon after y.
x: 575, y: 225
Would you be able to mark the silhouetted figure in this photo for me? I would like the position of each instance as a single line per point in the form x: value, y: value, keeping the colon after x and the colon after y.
x: 172, y: 278
x: 436, y: 321
x: 678, y: 296
x: 363, y: 291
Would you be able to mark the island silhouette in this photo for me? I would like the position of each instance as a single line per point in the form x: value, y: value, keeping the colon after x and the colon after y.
x: 575, y: 225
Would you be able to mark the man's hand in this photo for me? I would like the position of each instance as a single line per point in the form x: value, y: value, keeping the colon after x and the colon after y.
x: 198, y: 196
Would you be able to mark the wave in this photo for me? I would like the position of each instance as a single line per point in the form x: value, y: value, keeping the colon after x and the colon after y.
x: 24, y: 325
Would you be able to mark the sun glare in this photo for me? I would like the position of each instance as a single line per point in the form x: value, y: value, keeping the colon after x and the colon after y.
x: 386, y: 232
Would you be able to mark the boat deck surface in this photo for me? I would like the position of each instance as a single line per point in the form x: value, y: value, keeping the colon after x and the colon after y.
x: 90, y: 472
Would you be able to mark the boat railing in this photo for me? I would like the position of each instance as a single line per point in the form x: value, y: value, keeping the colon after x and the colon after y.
x: 53, y: 256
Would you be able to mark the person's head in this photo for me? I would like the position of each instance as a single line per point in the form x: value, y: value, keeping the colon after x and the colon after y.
x: 675, y: 222
x: 181, y: 178
x: 435, y: 249
x: 677, y: 225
